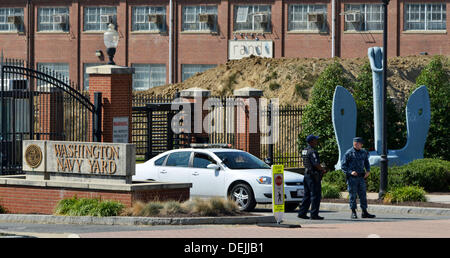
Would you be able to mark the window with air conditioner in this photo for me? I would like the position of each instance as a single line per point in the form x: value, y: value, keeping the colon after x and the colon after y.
x: 255, y: 18
x: 199, y: 18
x: 53, y: 19
x: 363, y: 17
x: 11, y: 20
x: 427, y: 17
x: 307, y: 17
x: 147, y: 76
x: 98, y: 18
x: 148, y: 18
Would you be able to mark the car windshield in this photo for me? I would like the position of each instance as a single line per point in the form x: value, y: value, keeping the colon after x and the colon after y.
x: 241, y: 160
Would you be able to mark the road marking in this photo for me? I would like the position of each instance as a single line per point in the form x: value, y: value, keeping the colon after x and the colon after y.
x: 73, y: 236
x: 373, y: 236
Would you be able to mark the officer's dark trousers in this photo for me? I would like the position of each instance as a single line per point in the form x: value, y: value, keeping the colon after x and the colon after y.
x: 357, y: 186
x: 313, y: 195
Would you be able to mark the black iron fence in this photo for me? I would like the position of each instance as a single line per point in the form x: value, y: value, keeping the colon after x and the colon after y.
x: 221, y: 127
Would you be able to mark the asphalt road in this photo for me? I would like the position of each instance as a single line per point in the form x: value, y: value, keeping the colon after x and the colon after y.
x: 336, y: 224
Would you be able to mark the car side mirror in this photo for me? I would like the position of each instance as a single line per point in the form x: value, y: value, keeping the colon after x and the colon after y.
x: 213, y: 166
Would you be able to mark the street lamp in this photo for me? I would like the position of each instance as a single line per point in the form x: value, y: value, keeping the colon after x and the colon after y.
x: 111, y: 39
x: 383, y: 156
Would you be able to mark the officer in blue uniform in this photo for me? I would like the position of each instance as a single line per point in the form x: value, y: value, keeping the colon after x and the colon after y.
x: 357, y: 168
x: 312, y: 180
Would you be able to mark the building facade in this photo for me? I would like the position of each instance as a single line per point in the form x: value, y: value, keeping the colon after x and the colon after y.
x: 167, y: 41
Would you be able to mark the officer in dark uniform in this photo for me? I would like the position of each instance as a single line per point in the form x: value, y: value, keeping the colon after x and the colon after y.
x: 312, y: 180
x: 357, y: 168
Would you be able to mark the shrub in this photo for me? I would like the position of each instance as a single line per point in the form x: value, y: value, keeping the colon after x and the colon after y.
x: 406, y: 194
x: 336, y: 178
x: 274, y: 86
x: 88, y: 207
x: 330, y: 191
x: 2, y: 210
x: 436, y: 77
x: 316, y: 117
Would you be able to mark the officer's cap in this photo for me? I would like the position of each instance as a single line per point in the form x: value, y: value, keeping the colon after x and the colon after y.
x: 358, y: 139
x: 311, y: 137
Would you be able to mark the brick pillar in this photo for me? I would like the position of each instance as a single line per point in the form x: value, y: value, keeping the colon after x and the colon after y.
x: 115, y: 84
x: 197, y: 96
x: 248, y: 135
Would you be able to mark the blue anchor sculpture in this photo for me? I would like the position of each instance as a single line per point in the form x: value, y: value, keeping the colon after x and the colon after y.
x: 418, y: 117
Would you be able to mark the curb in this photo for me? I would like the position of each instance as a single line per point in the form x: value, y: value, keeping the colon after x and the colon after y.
x: 130, y: 221
x: 389, y: 209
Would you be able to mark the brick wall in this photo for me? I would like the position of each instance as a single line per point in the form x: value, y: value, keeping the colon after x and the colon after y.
x: 37, y: 200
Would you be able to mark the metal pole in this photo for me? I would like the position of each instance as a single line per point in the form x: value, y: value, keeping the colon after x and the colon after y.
x: 384, y: 159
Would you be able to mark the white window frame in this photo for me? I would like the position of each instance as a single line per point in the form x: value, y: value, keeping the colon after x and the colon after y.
x: 298, y: 15
x: 189, y: 70
x: 50, y: 24
x: 156, y: 76
x: 367, y: 17
x: 249, y: 24
x: 140, y: 22
x: 92, y: 17
x: 5, y: 26
x: 191, y: 22
x: 421, y: 14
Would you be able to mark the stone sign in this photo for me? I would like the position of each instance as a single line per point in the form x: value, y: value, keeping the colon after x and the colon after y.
x: 64, y: 160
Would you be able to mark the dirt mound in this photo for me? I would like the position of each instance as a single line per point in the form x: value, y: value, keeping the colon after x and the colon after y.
x: 291, y: 79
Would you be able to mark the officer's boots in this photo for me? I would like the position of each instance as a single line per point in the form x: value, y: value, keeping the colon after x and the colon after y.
x: 365, y: 214
x: 354, y: 216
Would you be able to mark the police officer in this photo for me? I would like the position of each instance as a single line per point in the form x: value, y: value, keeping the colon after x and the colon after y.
x: 357, y: 168
x: 312, y: 180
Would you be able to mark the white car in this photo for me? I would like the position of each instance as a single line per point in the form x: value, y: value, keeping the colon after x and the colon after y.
x: 221, y: 172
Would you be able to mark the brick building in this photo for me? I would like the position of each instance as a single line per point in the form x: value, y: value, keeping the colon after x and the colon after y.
x: 167, y: 41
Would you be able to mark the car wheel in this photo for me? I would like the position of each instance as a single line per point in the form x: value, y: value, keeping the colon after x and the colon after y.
x: 291, y: 206
x: 242, y: 194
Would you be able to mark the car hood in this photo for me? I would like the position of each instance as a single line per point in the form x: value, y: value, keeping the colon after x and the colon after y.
x: 288, y: 175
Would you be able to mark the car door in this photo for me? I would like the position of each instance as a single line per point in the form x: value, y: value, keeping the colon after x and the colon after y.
x: 206, y: 181
x: 175, y: 169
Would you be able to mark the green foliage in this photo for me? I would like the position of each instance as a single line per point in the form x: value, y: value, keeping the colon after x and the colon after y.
x: 431, y: 174
x: 316, y: 117
x: 406, y: 194
x: 436, y: 76
x: 362, y: 92
x: 2, y: 210
x: 88, y: 207
x: 274, y: 86
x: 330, y: 191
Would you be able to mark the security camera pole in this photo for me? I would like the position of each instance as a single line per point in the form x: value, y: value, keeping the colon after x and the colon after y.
x: 384, y: 159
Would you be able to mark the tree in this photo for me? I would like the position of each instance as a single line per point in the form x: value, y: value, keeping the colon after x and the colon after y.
x: 436, y: 77
x: 316, y: 117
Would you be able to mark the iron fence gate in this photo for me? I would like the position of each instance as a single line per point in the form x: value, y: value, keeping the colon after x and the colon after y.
x: 40, y: 105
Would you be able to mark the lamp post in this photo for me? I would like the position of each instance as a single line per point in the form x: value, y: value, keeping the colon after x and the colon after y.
x: 384, y: 159
x: 111, y: 40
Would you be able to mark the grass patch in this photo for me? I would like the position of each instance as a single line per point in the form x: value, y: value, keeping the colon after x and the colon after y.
x: 88, y: 207
x: 405, y: 194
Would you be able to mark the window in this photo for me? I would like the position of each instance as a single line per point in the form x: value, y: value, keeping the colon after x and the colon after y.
x: 86, y: 76
x: 59, y: 70
x: 364, y: 17
x: 15, y: 17
x: 178, y: 159
x: 160, y: 161
x: 147, y: 76
x: 252, y: 18
x: 98, y: 18
x: 425, y: 16
x: 188, y: 70
x: 53, y: 19
x: 147, y: 18
x: 199, y: 18
x: 202, y: 160
x: 303, y: 17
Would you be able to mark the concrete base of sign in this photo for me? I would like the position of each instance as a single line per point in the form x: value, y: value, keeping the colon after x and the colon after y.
x: 20, y: 195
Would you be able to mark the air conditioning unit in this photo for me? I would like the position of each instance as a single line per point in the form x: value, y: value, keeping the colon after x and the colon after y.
x: 206, y: 18
x: 261, y: 18
x: 14, y: 20
x: 155, y: 18
x: 14, y: 84
x: 352, y: 17
x: 106, y: 19
x: 316, y: 17
x: 60, y: 19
